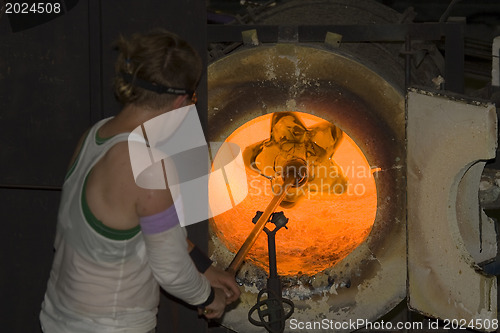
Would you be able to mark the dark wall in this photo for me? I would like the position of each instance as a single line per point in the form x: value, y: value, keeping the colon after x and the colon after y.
x: 55, y: 81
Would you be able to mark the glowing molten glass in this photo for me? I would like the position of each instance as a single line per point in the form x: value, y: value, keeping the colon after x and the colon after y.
x: 336, y: 209
x: 311, y: 146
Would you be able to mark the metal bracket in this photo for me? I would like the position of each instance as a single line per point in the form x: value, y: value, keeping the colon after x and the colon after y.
x: 333, y: 40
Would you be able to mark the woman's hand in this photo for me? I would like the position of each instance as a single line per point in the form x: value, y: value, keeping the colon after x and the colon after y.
x: 216, y: 308
x: 225, y: 281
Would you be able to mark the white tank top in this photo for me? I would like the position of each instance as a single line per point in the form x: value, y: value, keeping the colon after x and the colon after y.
x: 100, y: 279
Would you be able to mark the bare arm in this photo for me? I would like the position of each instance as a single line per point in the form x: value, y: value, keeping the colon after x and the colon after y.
x: 168, y: 252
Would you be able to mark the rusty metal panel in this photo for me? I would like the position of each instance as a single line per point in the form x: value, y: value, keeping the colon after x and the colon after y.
x: 446, y: 139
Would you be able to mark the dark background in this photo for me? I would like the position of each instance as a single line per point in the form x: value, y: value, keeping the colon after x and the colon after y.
x: 55, y: 81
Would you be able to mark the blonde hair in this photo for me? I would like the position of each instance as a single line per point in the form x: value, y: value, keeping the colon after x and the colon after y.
x: 158, y: 57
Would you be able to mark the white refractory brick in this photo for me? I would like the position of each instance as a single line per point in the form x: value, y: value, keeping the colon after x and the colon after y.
x: 448, y: 232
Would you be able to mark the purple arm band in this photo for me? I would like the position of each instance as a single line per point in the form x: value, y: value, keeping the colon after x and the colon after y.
x: 160, y: 222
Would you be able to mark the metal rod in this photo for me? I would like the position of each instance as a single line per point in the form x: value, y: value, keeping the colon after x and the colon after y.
x: 454, y: 56
x: 275, y: 291
x: 259, y: 226
x: 271, y: 246
x: 407, y: 62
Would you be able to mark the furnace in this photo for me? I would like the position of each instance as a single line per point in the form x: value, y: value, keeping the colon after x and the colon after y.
x: 331, y: 215
x: 353, y: 254
x: 343, y: 253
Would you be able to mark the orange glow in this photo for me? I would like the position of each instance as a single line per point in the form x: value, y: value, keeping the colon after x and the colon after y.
x: 323, y: 228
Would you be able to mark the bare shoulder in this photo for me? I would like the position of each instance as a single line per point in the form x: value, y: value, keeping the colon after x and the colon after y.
x: 114, y: 196
x: 110, y: 189
x: 114, y: 170
x: 149, y: 188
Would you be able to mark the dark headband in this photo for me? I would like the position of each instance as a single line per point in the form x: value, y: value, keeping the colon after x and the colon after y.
x: 155, y: 87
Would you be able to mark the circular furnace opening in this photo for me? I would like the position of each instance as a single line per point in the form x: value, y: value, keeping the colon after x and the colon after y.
x: 330, y: 216
x: 330, y: 84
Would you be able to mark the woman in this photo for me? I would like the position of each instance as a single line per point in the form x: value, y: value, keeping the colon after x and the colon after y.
x: 116, y: 242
